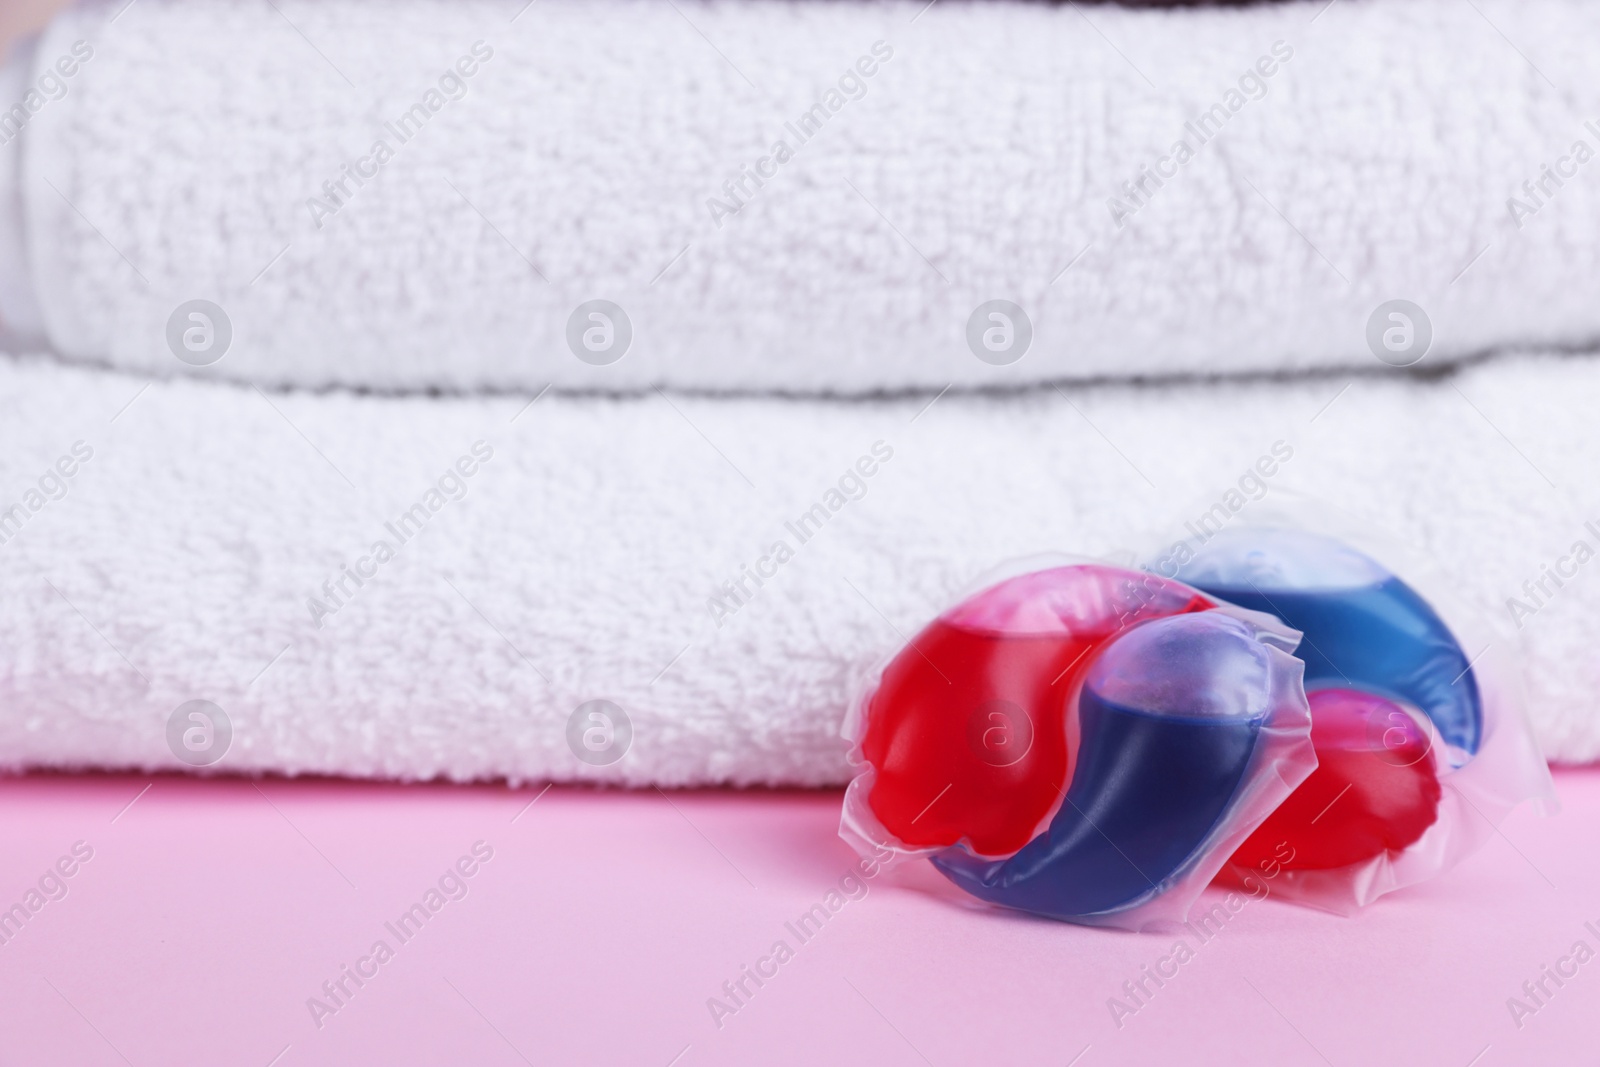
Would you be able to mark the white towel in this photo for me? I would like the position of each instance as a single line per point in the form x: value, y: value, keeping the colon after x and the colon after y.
x: 996, y: 151
x: 171, y: 542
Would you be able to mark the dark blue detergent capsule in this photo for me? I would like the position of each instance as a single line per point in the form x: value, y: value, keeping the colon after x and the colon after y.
x: 1364, y: 628
x: 1170, y: 716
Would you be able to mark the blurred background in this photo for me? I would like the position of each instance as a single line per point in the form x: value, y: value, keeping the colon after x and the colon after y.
x: 22, y: 16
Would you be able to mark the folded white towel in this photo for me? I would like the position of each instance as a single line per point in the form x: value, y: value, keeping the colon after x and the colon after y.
x: 512, y: 164
x: 720, y: 569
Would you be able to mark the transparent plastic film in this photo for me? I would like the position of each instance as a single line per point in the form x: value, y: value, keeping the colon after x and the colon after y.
x: 1417, y: 719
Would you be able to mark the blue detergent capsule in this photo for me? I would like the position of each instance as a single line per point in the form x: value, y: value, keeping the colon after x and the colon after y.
x: 1363, y: 627
x: 1170, y: 717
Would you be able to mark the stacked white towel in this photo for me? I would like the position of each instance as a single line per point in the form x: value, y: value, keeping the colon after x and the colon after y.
x: 419, y: 195
x: 394, y: 201
x: 187, y: 540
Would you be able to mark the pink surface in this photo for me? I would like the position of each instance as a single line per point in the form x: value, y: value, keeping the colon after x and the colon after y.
x: 211, y: 910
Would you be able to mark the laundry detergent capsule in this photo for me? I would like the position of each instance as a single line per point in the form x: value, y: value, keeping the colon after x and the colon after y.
x: 1386, y: 677
x: 1420, y: 749
x: 1082, y: 742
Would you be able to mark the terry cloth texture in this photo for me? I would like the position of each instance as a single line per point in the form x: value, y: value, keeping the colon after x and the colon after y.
x: 189, y: 540
x: 806, y: 197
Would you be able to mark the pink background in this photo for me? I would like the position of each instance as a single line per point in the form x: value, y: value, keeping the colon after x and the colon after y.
x: 212, y: 909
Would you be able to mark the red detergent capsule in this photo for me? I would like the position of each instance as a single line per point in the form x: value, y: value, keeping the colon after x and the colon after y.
x: 967, y: 730
x: 1375, y: 789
